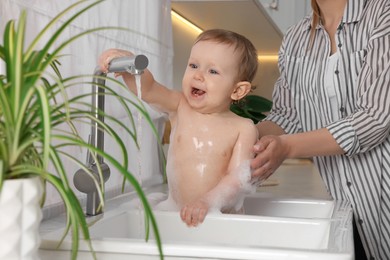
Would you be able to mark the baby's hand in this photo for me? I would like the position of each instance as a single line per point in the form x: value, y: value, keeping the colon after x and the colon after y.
x: 194, y: 213
x: 106, y: 57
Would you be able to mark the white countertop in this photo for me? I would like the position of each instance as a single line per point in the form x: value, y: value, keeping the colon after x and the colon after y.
x: 296, y: 179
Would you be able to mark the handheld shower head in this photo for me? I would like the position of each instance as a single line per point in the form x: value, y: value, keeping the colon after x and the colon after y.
x: 131, y: 64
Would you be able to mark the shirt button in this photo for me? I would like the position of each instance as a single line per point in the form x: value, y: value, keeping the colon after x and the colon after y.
x: 340, y: 45
x: 360, y: 221
x: 349, y: 184
x: 342, y: 110
x: 336, y: 72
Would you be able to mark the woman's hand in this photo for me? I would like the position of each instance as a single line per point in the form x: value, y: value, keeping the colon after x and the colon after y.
x: 270, y: 152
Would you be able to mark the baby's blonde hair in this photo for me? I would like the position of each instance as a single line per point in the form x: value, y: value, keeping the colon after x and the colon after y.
x: 248, y: 55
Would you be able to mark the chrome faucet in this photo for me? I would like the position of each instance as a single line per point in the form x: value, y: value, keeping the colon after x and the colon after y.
x: 83, y: 180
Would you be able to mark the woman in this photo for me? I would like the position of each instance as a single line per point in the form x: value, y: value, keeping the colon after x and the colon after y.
x: 332, y: 103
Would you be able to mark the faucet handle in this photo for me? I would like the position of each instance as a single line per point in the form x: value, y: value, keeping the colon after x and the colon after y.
x: 84, y: 182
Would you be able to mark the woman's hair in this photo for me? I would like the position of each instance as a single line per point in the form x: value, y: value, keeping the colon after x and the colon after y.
x: 248, y: 55
x: 315, y: 21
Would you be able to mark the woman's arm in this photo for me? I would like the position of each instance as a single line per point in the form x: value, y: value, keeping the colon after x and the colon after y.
x: 272, y: 150
x: 269, y: 128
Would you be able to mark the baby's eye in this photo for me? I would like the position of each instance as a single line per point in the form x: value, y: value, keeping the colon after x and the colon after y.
x: 213, y: 71
x: 192, y: 65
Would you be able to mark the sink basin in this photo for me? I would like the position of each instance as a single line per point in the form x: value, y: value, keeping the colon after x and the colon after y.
x: 262, y: 204
x: 220, y: 229
x: 296, y: 208
x: 119, y: 234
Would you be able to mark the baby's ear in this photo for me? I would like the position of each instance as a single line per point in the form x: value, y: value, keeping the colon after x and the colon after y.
x: 241, y: 90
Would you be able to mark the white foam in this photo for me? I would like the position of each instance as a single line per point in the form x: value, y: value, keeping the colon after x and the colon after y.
x: 157, y: 200
x: 229, y: 197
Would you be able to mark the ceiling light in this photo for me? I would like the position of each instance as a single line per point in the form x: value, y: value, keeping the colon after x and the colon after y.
x: 177, y: 16
x: 268, y: 58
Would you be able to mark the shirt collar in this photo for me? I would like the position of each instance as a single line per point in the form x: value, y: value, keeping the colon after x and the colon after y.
x: 352, y: 13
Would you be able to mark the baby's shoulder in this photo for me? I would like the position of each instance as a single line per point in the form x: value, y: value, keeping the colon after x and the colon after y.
x: 242, y: 120
x: 245, y: 125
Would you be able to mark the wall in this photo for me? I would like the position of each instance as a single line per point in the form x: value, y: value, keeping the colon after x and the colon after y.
x: 183, y: 38
x: 285, y: 13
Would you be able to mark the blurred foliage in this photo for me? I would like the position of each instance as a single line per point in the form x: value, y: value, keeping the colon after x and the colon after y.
x: 253, y: 107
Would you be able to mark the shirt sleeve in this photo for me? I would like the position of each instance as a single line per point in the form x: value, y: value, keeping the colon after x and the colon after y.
x: 283, y: 111
x: 369, y: 125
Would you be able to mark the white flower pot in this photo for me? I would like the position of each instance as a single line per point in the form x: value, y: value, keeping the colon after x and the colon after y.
x: 20, y: 217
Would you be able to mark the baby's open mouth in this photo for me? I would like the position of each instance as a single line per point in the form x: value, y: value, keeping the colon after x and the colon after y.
x: 197, y: 92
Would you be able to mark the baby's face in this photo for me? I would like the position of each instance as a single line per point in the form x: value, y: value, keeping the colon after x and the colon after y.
x: 210, y: 77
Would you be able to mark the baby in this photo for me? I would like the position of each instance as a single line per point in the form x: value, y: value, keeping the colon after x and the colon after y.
x: 210, y: 146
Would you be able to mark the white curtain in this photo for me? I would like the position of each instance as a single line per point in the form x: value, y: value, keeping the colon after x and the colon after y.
x: 150, y: 33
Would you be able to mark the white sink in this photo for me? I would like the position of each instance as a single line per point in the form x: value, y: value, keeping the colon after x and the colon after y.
x: 220, y: 229
x: 296, y: 208
x: 262, y: 204
x: 286, y: 230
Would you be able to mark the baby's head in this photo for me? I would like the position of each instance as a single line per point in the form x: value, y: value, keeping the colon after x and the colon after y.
x: 221, y: 67
x: 247, y: 54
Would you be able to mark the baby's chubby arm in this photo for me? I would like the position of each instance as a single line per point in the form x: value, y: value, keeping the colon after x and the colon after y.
x: 230, y: 191
x: 153, y: 93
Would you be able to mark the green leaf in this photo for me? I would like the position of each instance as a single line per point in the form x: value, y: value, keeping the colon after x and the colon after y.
x: 253, y: 107
x: 257, y: 103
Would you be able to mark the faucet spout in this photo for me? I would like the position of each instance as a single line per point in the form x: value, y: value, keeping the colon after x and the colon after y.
x: 132, y: 64
x: 86, y: 181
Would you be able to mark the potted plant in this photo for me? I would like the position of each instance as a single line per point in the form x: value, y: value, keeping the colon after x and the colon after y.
x: 253, y: 107
x: 37, y: 124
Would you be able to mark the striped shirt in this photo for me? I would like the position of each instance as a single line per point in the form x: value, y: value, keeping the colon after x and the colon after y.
x: 361, y: 121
